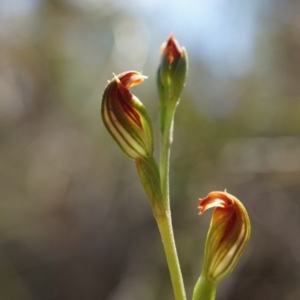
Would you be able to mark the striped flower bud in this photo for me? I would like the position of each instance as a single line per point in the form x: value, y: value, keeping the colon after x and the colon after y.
x: 228, y: 234
x: 125, y: 117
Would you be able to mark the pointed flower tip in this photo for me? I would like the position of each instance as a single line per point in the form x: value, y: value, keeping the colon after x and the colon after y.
x: 228, y: 234
x: 125, y: 117
x: 171, y: 49
x: 130, y: 78
x: 216, y: 199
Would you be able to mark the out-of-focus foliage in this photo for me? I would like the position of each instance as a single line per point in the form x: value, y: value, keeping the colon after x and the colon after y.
x: 74, y: 221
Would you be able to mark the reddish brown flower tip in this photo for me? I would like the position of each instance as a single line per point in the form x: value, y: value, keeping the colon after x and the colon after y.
x: 129, y: 79
x: 216, y: 199
x: 171, y: 49
x: 228, y: 234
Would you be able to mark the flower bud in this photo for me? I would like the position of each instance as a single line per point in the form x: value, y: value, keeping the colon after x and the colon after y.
x: 172, y: 71
x: 228, y: 234
x: 125, y: 117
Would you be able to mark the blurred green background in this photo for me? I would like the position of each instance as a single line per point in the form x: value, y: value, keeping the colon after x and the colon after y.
x: 74, y: 220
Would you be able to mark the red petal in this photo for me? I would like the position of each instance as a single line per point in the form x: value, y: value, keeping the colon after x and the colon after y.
x: 216, y: 199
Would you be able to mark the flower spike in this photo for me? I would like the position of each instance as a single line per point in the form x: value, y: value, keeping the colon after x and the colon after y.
x: 228, y: 234
x: 125, y: 117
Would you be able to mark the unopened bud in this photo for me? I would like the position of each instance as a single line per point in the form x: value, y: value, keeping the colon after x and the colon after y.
x: 228, y: 234
x: 125, y: 117
x: 172, y: 71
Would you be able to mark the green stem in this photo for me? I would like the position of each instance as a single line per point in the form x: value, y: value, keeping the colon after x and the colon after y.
x: 150, y: 179
x: 164, y: 223
x: 204, y: 289
x: 166, y: 141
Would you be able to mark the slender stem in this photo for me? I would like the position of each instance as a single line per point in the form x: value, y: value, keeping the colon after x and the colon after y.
x: 150, y: 179
x: 164, y: 223
x: 166, y: 141
x: 204, y: 289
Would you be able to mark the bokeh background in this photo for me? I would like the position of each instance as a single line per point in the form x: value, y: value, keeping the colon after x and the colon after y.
x: 74, y: 221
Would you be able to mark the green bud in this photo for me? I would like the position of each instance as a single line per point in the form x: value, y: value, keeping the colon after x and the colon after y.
x: 228, y: 234
x: 172, y: 71
x: 125, y: 117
